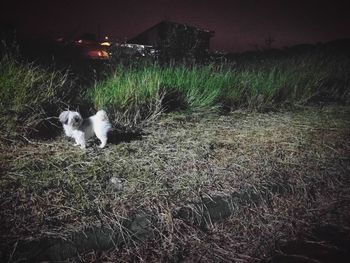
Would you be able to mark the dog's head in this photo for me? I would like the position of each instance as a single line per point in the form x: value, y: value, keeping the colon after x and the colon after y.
x: 71, y: 118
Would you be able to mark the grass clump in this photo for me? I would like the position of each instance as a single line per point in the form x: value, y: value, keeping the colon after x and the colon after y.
x: 196, y: 87
x: 29, y: 95
x: 266, y: 84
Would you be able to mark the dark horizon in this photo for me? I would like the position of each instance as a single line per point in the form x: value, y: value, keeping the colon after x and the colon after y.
x: 239, y: 25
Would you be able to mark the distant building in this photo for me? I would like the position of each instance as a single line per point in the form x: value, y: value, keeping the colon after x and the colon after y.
x: 177, y: 40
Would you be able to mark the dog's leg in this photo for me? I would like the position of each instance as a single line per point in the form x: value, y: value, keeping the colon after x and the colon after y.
x: 80, y: 140
x: 102, y: 136
x: 103, y: 139
x: 83, y: 146
x: 103, y: 142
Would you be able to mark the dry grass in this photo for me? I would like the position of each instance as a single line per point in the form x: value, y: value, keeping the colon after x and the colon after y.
x: 287, y: 169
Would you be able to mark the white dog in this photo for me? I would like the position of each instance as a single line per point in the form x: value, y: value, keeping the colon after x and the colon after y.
x: 82, y: 129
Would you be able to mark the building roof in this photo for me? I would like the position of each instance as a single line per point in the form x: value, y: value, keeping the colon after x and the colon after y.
x: 171, y: 23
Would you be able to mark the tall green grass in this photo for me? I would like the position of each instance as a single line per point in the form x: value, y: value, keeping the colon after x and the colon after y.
x: 141, y: 85
x: 29, y: 94
x: 264, y: 84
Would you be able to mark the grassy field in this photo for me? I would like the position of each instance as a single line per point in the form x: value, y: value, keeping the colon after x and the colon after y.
x: 269, y: 138
x: 133, y: 94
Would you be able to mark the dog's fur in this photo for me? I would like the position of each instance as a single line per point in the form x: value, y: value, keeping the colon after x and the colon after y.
x: 82, y: 129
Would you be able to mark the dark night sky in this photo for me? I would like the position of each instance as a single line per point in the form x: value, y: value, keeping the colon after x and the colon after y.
x: 238, y: 24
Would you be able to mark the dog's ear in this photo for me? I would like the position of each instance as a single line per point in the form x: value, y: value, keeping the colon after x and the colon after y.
x: 64, y: 117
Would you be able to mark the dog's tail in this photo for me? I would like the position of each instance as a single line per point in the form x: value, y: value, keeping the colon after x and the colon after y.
x: 102, y: 115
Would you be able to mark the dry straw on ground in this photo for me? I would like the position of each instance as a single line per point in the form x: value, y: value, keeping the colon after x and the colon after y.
x: 284, y: 171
